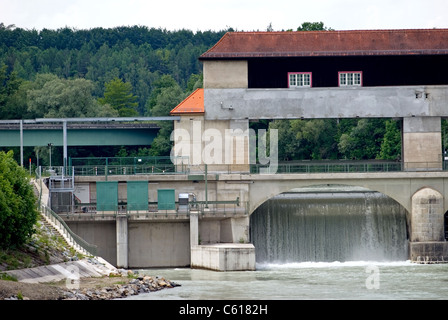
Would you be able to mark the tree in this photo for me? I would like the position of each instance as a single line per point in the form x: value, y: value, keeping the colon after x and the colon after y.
x: 9, y: 94
x: 363, y: 142
x: 313, y: 26
x: 51, y: 97
x: 391, y: 144
x: 167, y: 99
x: 18, y: 212
x: 118, y: 95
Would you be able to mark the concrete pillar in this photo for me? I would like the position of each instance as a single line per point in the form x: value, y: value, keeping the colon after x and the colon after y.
x: 235, y: 230
x: 422, y: 143
x: 122, y: 241
x: 194, y: 229
x: 427, y: 241
x: 427, y: 216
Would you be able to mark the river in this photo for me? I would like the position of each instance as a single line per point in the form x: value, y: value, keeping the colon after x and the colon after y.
x: 360, y: 280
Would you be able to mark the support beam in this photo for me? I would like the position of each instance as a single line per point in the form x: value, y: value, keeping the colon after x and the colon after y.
x: 122, y: 241
x: 194, y: 229
x: 64, y: 128
x: 21, y: 143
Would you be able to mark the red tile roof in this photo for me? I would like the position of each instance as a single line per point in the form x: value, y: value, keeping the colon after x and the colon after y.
x: 193, y: 104
x: 236, y: 45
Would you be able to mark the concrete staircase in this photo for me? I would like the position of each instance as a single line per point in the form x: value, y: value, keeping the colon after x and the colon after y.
x: 51, y: 220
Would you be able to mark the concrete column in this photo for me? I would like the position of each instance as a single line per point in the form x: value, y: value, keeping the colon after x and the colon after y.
x: 422, y: 143
x: 427, y: 243
x: 427, y: 216
x: 235, y: 230
x: 21, y: 143
x: 64, y: 138
x: 122, y: 241
x: 194, y: 229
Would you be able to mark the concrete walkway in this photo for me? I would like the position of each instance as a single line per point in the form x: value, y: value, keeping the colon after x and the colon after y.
x: 96, y: 267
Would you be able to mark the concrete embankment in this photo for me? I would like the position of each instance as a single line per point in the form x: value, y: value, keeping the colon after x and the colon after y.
x: 73, y: 272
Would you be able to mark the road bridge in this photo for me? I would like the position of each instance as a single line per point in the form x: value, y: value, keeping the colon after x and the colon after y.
x: 67, y: 132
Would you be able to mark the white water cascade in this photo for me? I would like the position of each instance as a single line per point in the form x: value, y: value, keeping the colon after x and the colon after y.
x: 329, y: 226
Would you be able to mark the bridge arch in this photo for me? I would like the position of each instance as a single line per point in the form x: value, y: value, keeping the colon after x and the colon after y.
x: 262, y: 191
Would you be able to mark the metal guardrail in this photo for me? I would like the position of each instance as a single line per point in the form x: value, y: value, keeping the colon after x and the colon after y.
x: 75, y: 240
x: 345, y: 166
x: 211, y: 208
x: 163, y: 165
x: 70, y: 235
x: 93, y: 170
x: 128, y: 165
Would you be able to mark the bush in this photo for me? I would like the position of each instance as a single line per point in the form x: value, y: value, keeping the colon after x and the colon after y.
x: 18, y: 212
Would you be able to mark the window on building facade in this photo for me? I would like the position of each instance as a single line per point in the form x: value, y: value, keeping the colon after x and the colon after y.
x: 350, y: 79
x: 299, y: 79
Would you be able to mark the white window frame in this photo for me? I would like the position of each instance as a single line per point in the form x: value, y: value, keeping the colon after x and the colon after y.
x: 350, y: 78
x: 300, y: 80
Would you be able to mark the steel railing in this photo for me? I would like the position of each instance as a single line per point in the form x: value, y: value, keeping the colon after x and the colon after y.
x: 209, y: 208
x: 347, y: 166
x: 73, y: 239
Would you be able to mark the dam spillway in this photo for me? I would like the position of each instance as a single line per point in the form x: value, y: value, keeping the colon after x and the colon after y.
x: 329, y: 226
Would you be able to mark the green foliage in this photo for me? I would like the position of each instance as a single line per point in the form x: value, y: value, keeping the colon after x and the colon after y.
x: 18, y: 212
x: 312, y: 26
x: 52, y: 97
x: 166, y: 95
x: 391, y: 144
x: 363, y: 142
x: 321, y: 139
x: 7, y: 277
x: 118, y: 95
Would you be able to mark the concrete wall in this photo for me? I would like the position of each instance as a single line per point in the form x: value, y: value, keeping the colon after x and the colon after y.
x: 223, y: 144
x: 159, y: 244
x: 224, y: 230
x: 100, y: 233
x: 225, y: 74
x: 362, y: 102
x: 422, y: 143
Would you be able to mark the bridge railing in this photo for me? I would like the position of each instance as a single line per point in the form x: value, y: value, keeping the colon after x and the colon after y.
x: 128, y: 166
x: 345, y: 166
x: 205, y: 208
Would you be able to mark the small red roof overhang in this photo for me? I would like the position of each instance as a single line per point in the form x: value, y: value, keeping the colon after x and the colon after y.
x: 193, y: 104
x: 243, y: 45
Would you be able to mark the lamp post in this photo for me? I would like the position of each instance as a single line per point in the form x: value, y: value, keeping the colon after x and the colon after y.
x: 49, y: 146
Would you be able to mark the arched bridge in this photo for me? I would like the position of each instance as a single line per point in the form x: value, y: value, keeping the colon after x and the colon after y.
x: 400, y: 186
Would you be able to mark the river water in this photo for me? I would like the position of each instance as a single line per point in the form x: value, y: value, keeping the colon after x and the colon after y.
x: 360, y: 280
x: 319, y: 246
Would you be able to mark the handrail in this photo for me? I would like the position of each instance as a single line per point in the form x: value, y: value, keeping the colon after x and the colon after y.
x: 334, y: 166
x: 290, y: 167
x: 76, y: 241
x: 73, y: 239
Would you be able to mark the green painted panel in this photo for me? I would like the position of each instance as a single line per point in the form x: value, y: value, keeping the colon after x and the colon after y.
x: 166, y: 199
x: 137, y: 195
x: 106, y: 195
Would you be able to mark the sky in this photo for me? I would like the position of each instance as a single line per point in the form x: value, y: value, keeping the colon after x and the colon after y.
x: 217, y: 15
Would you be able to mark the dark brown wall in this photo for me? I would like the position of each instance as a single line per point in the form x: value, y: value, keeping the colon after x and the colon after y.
x: 377, y: 70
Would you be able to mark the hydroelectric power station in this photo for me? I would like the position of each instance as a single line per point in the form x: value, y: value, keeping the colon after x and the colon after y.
x: 212, y: 207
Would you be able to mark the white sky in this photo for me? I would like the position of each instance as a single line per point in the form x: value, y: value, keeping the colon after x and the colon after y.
x: 242, y: 15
